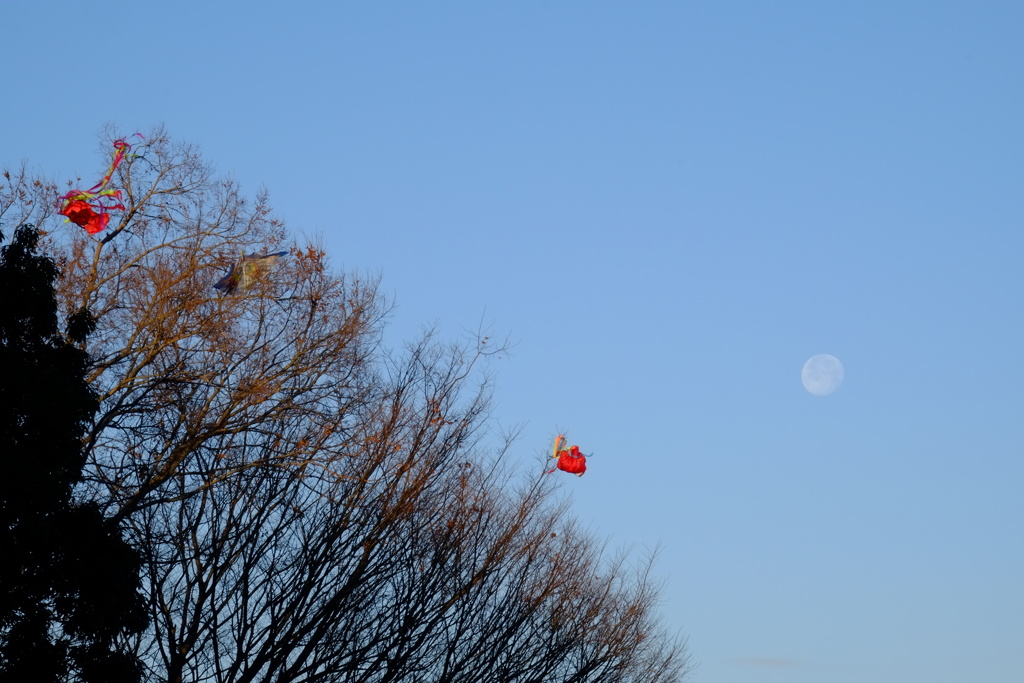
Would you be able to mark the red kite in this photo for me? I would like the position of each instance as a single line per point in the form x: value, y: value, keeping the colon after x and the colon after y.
x: 571, y: 461
x: 88, y: 208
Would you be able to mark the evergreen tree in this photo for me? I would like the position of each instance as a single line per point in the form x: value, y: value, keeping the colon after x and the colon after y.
x: 68, y: 581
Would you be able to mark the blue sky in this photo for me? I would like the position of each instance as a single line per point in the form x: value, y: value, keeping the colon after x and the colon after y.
x: 669, y: 207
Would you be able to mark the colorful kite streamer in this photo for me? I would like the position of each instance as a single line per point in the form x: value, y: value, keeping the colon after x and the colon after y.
x: 88, y: 208
x: 245, y: 271
x: 571, y: 460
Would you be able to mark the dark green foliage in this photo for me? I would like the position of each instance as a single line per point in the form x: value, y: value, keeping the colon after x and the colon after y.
x: 68, y: 581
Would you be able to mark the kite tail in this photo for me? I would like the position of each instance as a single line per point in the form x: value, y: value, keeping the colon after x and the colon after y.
x: 121, y: 148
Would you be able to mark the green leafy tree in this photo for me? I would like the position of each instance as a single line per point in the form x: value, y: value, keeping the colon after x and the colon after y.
x: 68, y: 582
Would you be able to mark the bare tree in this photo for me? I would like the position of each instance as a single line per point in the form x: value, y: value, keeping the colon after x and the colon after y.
x: 312, y: 506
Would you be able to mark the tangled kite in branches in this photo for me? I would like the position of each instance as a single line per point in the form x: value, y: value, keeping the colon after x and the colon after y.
x: 245, y: 271
x: 571, y: 460
x: 89, y: 208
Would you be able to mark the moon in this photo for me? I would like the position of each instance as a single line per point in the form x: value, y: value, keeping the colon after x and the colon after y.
x: 822, y: 374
